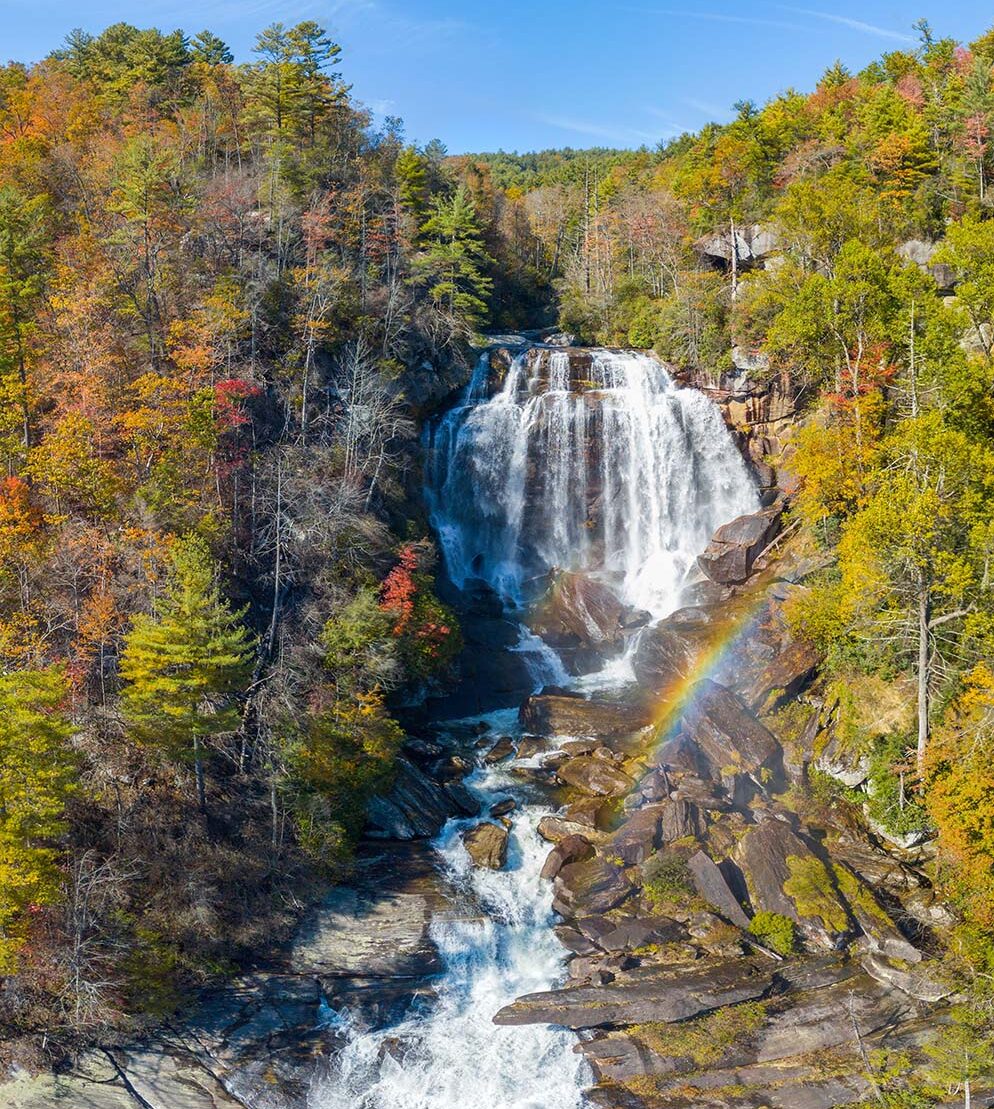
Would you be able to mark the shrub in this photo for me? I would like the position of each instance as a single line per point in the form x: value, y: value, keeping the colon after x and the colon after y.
x: 776, y: 931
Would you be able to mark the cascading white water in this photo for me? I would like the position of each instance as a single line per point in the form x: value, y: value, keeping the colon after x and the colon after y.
x: 583, y: 460
x: 454, y: 1056
x: 590, y: 461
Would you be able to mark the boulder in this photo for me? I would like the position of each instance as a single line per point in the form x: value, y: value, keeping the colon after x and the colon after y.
x: 594, y: 776
x: 579, y: 611
x: 663, y: 657
x: 502, y: 808
x: 729, y: 557
x: 486, y: 844
x: 638, y: 837
x: 713, y: 887
x: 501, y: 750
x: 570, y: 849
x: 731, y: 738
x: 773, y: 857
x: 560, y: 714
x: 593, y: 886
x: 664, y: 995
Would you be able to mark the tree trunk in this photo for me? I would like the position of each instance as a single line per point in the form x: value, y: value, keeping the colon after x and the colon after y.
x: 734, y: 260
x: 923, y: 643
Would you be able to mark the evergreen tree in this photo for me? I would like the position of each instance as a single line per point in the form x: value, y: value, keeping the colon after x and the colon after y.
x: 185, y: 665
x: 455, y: 262
x: 36, y: 779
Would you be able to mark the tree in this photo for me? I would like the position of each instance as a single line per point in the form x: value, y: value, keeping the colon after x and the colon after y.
x: 969, y: 249
x: 23, y: 255
x: 454, y: 263
x: 909, y: 559
x: 37, y: 778
x: 185, y: 666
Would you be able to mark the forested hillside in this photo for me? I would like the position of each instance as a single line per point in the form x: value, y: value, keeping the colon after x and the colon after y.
x: 213, y: 574
x: 228, y: 298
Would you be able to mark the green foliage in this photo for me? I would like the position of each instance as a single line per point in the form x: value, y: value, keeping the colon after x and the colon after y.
x: 186, y: 665
x: 890, y: 798
x: 666, y: 879
x: 704, y: 1040
x: 776, y: 931
x: 37, y: 777
x: 812, y: 888
x: 454, y: 262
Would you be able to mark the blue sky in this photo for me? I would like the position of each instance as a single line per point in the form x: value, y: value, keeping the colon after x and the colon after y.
x: 523, y: 75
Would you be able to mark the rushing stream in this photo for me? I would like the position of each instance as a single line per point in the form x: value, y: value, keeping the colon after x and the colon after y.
x: 582, y: 460
x: 453, y: 1056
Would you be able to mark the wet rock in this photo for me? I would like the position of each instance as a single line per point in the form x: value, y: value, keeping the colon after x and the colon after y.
x: 665, y: 995
x: 501, y: 750
x: 463, y: 801
x: 486, y: 845
x: 729, y: 557
x: 570, y: 849
x: 593, y: 886
x: 502, y: 808
x: 553, y: 714
x: 579, y: 611
x: 663, y: 657
x: 594, y: 776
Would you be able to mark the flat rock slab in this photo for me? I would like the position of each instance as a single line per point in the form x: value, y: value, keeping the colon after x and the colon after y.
x: 359, y: 934
x: 554, y: 714
x: 669, y: 994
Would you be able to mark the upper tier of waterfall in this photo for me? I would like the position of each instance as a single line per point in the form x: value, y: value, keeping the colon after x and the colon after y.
x: 582, y: 459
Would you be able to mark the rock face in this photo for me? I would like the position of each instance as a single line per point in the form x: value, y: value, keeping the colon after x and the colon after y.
x: 487, y: 845
x: 580, y: 614
x: 712, y: 885
x: 729, y: 557
x: 415, y: 808
x: 784, y: 876
x: 665, y: 995
x: 732, y: 740
x: 564, y: 715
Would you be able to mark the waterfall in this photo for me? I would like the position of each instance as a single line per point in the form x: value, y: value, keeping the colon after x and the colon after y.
x: 582, y: 460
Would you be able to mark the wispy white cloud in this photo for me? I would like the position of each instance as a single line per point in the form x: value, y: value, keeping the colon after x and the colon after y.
x: 716, y: 17
x: 854, y: 24
x: 595, y: 130
x: 706, y: 107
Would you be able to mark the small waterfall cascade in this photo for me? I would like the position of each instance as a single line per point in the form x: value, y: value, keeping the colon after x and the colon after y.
x: 576, y: 459
x: 453, y: 1056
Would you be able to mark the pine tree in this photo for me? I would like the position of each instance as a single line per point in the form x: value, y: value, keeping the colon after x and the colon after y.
x: 455, y: 261
x: 185, y: 665
x: 36, y: 779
